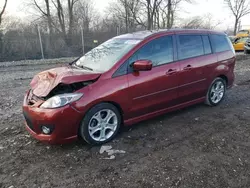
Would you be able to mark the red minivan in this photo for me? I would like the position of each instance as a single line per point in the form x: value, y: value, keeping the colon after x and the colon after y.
x: 127, y: 79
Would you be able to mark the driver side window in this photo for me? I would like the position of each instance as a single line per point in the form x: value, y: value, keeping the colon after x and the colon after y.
x: 159, y: 51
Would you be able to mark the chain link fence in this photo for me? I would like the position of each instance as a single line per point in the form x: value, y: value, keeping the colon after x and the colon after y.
x: 35, y: 44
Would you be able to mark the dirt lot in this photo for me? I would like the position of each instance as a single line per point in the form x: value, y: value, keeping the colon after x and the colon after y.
x: 199, y: 146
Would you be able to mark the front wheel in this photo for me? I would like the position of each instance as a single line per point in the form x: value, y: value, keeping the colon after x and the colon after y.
x: 216, y: 92
x: 100, y: 124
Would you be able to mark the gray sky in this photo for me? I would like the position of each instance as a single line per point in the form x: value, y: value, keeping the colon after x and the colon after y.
x: 215, y: 7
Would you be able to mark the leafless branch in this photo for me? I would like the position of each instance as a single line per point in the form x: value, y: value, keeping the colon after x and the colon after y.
x: 239, y: 8
x: 3, y: 10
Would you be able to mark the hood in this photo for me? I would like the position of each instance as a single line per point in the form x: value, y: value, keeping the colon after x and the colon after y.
x: 46, y: 81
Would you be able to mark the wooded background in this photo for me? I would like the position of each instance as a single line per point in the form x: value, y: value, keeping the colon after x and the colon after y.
x: 69, y: 27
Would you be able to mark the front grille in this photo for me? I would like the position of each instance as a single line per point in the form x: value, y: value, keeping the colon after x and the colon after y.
x: 28, y: 121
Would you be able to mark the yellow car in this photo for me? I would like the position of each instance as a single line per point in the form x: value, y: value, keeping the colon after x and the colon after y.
x: 243, y: 33
x: 239, y: 43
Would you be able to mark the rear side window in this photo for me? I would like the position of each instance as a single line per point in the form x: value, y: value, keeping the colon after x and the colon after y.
x: 207, y: 45
x: 190, y: 46
x: 220, y: 43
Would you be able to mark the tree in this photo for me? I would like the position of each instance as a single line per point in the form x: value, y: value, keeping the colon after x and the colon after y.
x: 152, y: 6
x: 239, y: 8
x: 122, y: 13
x: 200, y: 22
x: 85, y: 14
x: 45, y: 12
x: 3, y: 10
x: 192, y: 23
x: 60, y: 17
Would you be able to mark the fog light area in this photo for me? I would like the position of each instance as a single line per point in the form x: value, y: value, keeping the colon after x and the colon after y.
x: 46, y: 130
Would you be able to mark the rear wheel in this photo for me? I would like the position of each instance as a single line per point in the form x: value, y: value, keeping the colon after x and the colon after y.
x: 101, y: 124
x: 216, y: 92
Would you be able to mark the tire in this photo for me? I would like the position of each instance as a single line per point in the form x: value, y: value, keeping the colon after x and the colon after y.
x: 246, y: 51
x: 100, y: 124
x: 216, y: 92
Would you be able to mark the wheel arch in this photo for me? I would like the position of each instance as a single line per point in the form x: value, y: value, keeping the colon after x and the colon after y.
x: 119, y: 108
x: 224, y: 77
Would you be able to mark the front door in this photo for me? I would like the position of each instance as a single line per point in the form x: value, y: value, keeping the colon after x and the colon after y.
x: 154, y: 90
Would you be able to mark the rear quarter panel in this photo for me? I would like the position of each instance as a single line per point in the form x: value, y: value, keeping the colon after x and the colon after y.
x: 224, y: 67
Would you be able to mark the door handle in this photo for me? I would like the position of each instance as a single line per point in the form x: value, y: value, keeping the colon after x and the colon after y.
x: 188, y: 67
x: 171, y: 71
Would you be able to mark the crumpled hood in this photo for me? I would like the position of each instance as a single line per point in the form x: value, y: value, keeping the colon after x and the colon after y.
x: 45, y: 81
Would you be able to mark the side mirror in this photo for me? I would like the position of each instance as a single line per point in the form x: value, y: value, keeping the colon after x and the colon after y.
x: 142, y: 65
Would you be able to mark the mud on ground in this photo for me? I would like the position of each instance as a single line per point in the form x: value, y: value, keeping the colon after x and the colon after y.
x: 198, y: 146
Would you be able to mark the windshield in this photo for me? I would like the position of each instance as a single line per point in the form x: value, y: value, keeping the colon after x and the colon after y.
x: 104, y: 56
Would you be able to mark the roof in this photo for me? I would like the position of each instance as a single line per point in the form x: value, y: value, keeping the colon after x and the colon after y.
x: 140, y: 35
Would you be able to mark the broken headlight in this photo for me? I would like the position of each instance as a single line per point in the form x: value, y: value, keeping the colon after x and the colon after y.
x: 61, y: 100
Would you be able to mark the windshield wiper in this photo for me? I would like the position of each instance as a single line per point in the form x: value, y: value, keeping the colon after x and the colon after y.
x: 83, y: 67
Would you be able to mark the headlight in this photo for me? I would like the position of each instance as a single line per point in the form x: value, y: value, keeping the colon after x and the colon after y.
x: 61, y: 100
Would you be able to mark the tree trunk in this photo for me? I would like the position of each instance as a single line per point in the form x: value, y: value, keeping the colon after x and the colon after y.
x: 71, y: 22
x: 2, y: 11
x: 126, y: 16
x: 169, y: 14
x: 49, y: 17
x: 149, y: 27
x: 236, y: 25
x: 172, y: 19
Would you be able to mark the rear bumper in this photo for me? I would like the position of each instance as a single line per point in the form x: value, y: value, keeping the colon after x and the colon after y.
x: 65, y: 122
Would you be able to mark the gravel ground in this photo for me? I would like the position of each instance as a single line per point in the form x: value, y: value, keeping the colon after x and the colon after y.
x: 198, y: 146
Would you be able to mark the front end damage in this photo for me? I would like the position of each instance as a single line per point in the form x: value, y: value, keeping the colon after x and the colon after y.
x: 55, y: 124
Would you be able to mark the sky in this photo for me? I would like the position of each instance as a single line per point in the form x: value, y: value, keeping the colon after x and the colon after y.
x: 216, y: 8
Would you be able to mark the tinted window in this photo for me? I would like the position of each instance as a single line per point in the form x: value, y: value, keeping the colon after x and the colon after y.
x: 122, y: 70
x: 207, y: 46
x: 220, y: 43
x: 190, y: 46
x: 159, y: 51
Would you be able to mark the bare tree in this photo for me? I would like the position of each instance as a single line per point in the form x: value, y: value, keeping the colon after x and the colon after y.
x: 200, y: 22
x: 123, y: 12
x: 148, y: 14
x: 65, y: 17
x: 152, y: 7
x: 3, y: 10
x: 172, y: 8
x: 209, y: 22
x: 239, y: 8
x: 192, y: 23
x: 85, y: 14
x: 45, y: 12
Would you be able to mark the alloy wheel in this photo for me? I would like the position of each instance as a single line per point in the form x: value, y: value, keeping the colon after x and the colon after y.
x: 102, y: 125
x: 217, y: 92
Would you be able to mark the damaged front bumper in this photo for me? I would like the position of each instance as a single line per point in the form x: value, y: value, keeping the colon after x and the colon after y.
x: 63, y: 122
